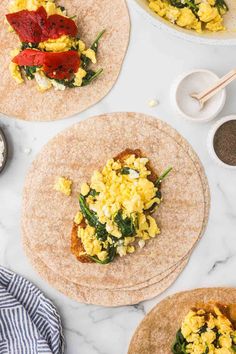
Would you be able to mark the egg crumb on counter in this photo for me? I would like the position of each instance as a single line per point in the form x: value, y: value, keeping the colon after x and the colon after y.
x: 63, y: 185
x: 198, y: 15
x: 116, y: 206
x: 209, y: 332
x: 153, y: 103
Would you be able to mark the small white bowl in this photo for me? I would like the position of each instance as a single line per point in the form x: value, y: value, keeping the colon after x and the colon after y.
x: 210, y: 141
x: 197, y: 77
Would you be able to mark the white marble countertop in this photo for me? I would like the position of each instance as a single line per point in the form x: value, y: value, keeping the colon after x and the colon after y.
x: 153, y: 61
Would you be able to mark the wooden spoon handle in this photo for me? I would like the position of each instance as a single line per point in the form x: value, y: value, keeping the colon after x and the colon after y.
x: 215, y: 88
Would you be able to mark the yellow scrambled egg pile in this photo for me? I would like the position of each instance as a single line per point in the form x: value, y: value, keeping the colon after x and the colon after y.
x: 207, y: 16
x: 120, y: 193
x: 211, y: 333
x: 62, y: 44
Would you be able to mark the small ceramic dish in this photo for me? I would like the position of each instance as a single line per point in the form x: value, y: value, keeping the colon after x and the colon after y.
x: 195, y: 81
x: 5, y: 151
x: 210, y: 142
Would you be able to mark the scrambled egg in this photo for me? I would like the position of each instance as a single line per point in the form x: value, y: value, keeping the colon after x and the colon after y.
x: 90, y: 53
x: 208, y: 332
x: 16, y: 73
x: 62, y: 44
x: 120, y: 189
x: 63, y: 185
x: 81, y: 73
x: 33, y: 5
x: 78, y: 218
x: 206, y: 17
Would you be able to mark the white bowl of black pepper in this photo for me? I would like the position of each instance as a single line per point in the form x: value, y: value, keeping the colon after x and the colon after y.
x: 222, y: 142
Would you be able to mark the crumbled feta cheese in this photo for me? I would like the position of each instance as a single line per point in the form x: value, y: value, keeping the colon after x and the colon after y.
x: 57, y: 86
x: 141, y: 243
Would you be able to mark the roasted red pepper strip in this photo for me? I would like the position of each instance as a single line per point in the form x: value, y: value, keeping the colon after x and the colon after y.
x: 35, y: 26
x: 28, y: 24
x: 59, y: 25
x: 61, y: 65
x: 30, y: 57
x: 55, y: 65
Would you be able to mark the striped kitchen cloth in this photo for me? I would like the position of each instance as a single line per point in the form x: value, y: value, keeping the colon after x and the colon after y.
x: 29, y: 322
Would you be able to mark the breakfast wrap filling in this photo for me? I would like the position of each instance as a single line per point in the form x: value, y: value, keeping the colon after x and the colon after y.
x: 50, y: 51
x: 207, y: 331
x: 198, y: 15
x: 116, y: 208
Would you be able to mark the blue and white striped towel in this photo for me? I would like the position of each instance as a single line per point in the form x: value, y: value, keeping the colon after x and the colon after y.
x: 29, y: 323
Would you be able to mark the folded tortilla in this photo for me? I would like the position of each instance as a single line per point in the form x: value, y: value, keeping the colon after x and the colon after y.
x: 156, y: 333
x: 24, y: 101
x: 75, y: 153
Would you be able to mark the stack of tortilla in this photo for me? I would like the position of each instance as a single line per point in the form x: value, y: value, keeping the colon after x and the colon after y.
x: 156, y: 333
x: 47, y: 216
x: 25, y: 102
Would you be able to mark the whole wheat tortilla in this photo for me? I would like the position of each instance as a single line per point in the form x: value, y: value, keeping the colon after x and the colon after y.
x: 101, y: 297
x: 76, y: 153
x: 157, y: 331
x: 26, y: 102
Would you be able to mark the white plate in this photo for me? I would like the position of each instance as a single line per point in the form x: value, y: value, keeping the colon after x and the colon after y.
x: 227, y: 37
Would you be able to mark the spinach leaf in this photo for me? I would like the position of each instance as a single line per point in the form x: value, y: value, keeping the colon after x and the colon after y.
x: 203, y: 329
x: 92, y: 218
x: 67, y: 83
x: 94, y: 46
x: 177, y: 3
x: 234, y: 347
x: 185, y: 3
x: 206, y: 351
x: 162, y: 176
x: 93, y: 193
x: 90, y: 76
x: 26, y: 45
x: 29, y: 71
x: 126, y: 226
x: 155, y: 205
x: 101, y: 232
x: 179, y: 346
x: 221, y: 6
x: 127, y: 170
x: 216, y: 341
x: 111, y: 255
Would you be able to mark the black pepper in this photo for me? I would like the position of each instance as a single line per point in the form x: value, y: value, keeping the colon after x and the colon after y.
x: 225, y: 142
